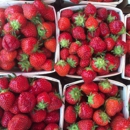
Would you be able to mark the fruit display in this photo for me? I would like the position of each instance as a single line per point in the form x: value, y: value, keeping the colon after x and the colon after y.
x: 30, y: 103
x: 100, y: 104
x: 91, y: 42
x: 28, y: 38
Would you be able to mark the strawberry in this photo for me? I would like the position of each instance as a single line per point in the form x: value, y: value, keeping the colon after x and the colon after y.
x: 64, y: 53
x: 13, y: 9
x: 19, y: 84
x: 46, y: 52
x: 73, y: 94
x: 29, y: 45
x: 6, y: 99
x: 105, y: 86
x: 95, y: 100
x: 72, y: 71
x: 73, y: 60
x: 90, y: 9
x: 52, y: 117
x: 102, y: 13
x: 53, y: 27
x: 78, y: 32
x: 85, y: 52
x: 29, y: 30
x: 89, y: 88
x: 120, y: 48
x: 55, y: 102
x: 50, y: 44
x: 20, y: 122
x: 38, y: 115
x: 88, y: 75
x: 0, y: 44
x: 65, y: 39
x: 114, y: 90
x: 121, y: 123
x: 67, y: 13
x: 128, y: 46
x: 52, y: 126
x: 101, y: 118
x: 43, y: 100
x: 83, y: 125
x: 62, y: 67
x: 10, y: 42
x: 117, y: 27
x: 24, y: 104
x: 128, y: 24
x: 7, y: 65
x: 127, y: 70
x: 84, y: 111
x: 70, y: 114
x: 128, y: 35
x: 105, y: 32
x: 98, y: 45
x: 4, y: 83
x: 38, y: 126
x: 74, y: 47
x: 84, y: 62
x: 91, y: 23
x: 44, y: 30
x: 37, y: 59
x: 79, y: 70
x: 113, y: 105
x: 75, y: 1
x: 2, y: 18
x: 64, y: 23
x: 7, y: 116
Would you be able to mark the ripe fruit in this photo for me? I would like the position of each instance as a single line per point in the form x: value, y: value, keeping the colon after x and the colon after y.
x: 52, y: 126
x: 67, y: 13
x: 127, y: 70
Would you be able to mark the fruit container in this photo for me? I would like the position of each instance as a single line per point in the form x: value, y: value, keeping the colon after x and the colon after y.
x: 5, y: 4
x: 123, y: 90
x: 81, y: 7
x: 56, y: 88
x: 129, y: 96
x: 115, y: 3
x: 126, y: 57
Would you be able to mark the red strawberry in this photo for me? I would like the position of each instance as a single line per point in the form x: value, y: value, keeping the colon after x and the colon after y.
x: 52, y: 126
x: 127, y: 70
x: 75, y: 1
x: 29, y: 30
x: 20, y: 122
x: 7, y: 65
x: 2, y: 19
x: 64, y: 23
x: 91, y: 23
x: 53, y: 27
x: 10, y: 42
x: 128, y: 24
x: 67, y: 13
x: 78, y: 32
x: 128, y: 35
x: 64, y: 53
x: 90, y: 9
x: 95, y: 100
x: 38, y: 115
x: 88, y: 75
x: 0, y: 43
x: 101, y: 118
x: 70, y: 114
x: 62, y: 67
x: 98, y: 45
x: 65, y: 39
x: 52, y: 117
x: 102, y: 13
x: 110, y: 43
x: 85, y: 52
x: 43, y: 100
x: 84, y: 62
x: 89, y: 88
x: 50, y: 44
x: 6, y: 99
x: 19, y: 84
x: 46, y: 52
x: 37, y: 59
x: 79, y: 70
x: 38, y: 126
x: 4, y: 83
x: 13, y: 9
x: 40, y: 85
x: 84, y: 111
x: 26, y: 102
x: 55, y: 102
x: 44, y: 30
x: 7, y: 116
x: 113, y: 105
x: 72, y: 71
x: 114, y: 90
x: 73, y: 94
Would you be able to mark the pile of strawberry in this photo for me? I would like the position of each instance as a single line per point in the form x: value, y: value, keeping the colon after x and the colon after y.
x: 94, y: 106
x: 27, y: 41
x: 29, y: 104
x: 90, y: 42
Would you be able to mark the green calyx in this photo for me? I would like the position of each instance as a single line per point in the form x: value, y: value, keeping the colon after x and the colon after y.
x: 100, y: 63
x: 80, y: 20
x: 41, y: 105
x: 64, y: 43
x: 71, y: 62
x: 77, y: 108
x: 88, y: 68
x: 105, y: 84
x: 114, y: 37
x: 36, y: 20
x: 110, y: 18
x: 123, y: 31
x: 111, y: 67
x: 75, y: 94
x: 118, y: 51
x: 90, y: 99
x: 15, y: 25
x: 73, y: 127
x: 41, y: 32
x: 91, y: 29
x: 4, y: 90
x: 61, y: 63
x: 104, y: 116
x: 78, y: 42
x: 24, y: 57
